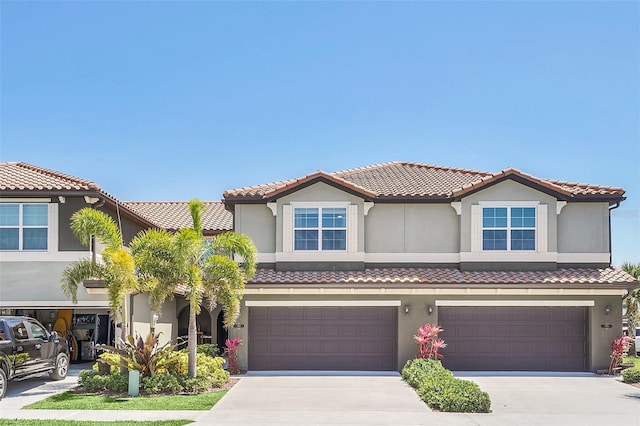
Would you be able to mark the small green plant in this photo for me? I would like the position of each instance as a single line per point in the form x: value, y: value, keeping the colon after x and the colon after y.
x: 145, y: 356
x: 111, y: 366
x: 197, y: 384
x: 205, y: 365
x: 161, y: 384
x: 631, y: 375
x: 93, y: 382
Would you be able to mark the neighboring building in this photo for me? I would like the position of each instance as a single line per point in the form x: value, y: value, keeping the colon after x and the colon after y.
x: 516, y: 269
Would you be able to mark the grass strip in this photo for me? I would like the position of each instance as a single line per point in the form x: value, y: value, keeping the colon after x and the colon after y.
x: 73, y: 401
x: 29, y: 422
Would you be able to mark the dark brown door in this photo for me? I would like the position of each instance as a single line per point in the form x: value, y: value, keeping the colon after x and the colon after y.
x: 323, y: 338
x: 514, y: 338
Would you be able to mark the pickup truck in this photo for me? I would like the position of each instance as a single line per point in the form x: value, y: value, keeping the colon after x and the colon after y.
x: 27, y: 349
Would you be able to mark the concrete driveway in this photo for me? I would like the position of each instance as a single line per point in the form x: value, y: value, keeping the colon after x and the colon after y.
x: 517, y: 399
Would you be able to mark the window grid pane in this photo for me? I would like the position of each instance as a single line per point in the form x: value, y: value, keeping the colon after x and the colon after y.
x: 311, y: 233
x: 519, y: 223
x: 24, y: 226
x: 9, y: 239
x: 9, y: 214
x: 34, y: 239
x: 34, y: 215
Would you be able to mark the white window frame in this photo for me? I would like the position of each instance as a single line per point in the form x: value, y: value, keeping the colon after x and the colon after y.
x: 320, y: 228
x: 21, y: 227
x: 541, y: 242
x: 508, y: 228
x: 288, y: 228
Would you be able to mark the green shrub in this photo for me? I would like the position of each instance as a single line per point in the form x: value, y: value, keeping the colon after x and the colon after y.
x: 440, y: 390
x: 464, y: 396
x: 631, y: 375
x: 196, y: 384
x: 416, y: 371
x: 161, y: 384
x: 113, y: 359
x: 205, y: 365
x: 93, y: 382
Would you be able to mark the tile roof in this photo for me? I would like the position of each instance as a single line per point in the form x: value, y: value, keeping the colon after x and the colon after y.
x: 444, y: 276
x: 23, y: 176
x: 413, y: 180
x: 174, y: 215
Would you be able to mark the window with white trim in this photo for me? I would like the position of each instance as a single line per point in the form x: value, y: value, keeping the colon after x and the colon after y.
x: 23, y: 226
x: 509, y: 228
x: 320, y: 229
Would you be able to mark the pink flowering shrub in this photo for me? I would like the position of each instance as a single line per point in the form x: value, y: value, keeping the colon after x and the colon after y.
x: 429, y: 344
x: 619, y: 348
x: 231, y: 351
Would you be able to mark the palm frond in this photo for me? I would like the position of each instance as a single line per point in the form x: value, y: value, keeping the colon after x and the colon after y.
x: 88, y: 222
x: 235, y: 243
x: 77, y: 272
x: 195, y: 208
x: 223, y: 283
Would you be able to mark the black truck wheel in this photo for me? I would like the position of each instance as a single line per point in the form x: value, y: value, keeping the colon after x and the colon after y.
x: 61, y: 368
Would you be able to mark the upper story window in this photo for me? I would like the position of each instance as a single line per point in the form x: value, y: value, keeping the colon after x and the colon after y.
x: 23, y: 226
x: 509, y: 228
x: 321, y: 229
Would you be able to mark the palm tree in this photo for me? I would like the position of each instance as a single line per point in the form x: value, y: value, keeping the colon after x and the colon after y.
x: 632, y: 303
x: 197, y: 267
x: 116, y: 269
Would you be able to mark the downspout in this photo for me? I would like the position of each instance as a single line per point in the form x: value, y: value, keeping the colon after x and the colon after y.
x: 610, y: 253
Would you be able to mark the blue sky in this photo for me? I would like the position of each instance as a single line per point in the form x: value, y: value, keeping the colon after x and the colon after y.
x: 175, y: 100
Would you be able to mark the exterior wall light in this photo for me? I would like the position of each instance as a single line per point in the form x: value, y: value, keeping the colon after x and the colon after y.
x: 406, y: 309
x: 607, y: 310
x: 429, y: 309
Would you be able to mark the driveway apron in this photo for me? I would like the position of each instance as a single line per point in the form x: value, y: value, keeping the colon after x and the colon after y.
x: 517, y: 399
x: 336, y: 400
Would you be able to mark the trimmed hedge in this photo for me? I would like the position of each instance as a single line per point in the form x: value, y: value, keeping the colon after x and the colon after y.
x: 442, y: 391
x: 631, y: 375
x: 93, y: 382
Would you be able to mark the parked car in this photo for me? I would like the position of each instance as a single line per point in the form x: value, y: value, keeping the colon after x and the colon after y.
x: 27, y: 349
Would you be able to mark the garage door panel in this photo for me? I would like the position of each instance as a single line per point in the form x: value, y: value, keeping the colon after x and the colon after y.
x: 333, y: 338
x: 514, y: 338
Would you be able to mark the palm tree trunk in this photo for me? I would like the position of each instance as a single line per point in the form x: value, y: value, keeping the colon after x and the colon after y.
x: 632, y: 315
x: 192, y: 343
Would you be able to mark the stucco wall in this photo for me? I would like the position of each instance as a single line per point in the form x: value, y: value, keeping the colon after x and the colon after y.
x: 37, y: 281
x: 584, y: 228
x: 141, y: 314
x: 412, y: 228
x: 258, y: 222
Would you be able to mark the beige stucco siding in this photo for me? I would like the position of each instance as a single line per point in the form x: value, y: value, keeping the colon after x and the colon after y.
x: 584, y: 228
x: 508, y: 191
x: 37, y: 281
x: 412, y: 228
x: 258, y: 222
x: 141, y: 315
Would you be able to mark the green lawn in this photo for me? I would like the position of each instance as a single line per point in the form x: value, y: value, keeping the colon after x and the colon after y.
x: 635, y: 360
x: 24, y: 422
x: 74, y: 401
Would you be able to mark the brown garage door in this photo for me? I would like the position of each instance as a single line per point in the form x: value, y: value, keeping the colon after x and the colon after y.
x: 514, y: 338
x: 322, y: 338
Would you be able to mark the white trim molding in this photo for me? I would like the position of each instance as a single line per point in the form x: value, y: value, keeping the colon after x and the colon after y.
x: 559, y: 206
x: 368, y: 205
x: 457, y: 206
x: 412, y: 257
x: 319, y: 256
x: 508, y: 256
x: 43, y: 256
x: 273, y: 207
x: 25, y: 200
x: 583, y: 257
x: 43, y: 304
x: 525, y: 302
x: 322, y: 303
x: 439, y: 291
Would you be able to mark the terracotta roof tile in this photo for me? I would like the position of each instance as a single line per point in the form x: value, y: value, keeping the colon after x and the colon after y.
x: 174, y: 215
x: 23, y: 176
x: 444, y: 276
x: 413, y: 180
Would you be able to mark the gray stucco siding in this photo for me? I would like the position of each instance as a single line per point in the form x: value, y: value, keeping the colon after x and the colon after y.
x: 37, y: 281
x: 258, y: 222
x: 584, y: 228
